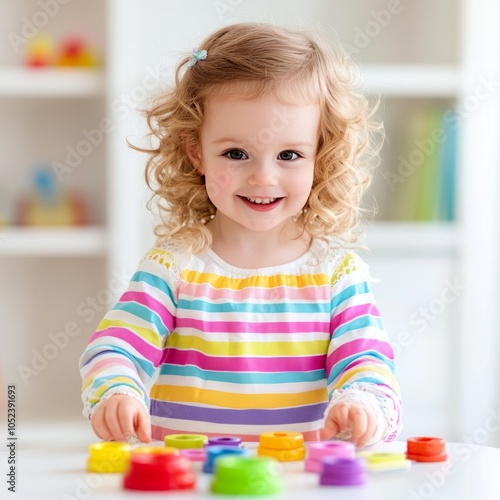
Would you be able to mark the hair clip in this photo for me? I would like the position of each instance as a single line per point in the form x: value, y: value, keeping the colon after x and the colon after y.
x: 198, y: 55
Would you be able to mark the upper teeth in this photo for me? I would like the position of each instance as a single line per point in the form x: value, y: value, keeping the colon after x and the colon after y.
x: 264, y: 201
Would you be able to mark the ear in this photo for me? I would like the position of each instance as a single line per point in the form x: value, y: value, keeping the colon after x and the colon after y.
x: 194, y: 154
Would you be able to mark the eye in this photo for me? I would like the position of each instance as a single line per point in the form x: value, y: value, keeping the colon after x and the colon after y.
x: 236, y: 154
x: 288, y: 155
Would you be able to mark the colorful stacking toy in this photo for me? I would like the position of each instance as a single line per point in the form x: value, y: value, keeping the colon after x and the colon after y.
x: 185, y: 441
x: 426, y: 449
x: 283, y: 446
x: 159, y: 472
x: 381, y: 461
x: 337, y: 449
x: 108, y: 457
x: 236, y: 472
x: 343, y: 471
x: 245, y: 475
x: 215, y: 452
x: 194, y: 454
x: 224, y: 441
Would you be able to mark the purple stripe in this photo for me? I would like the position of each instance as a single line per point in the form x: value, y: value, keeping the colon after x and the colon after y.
x: 360, y: 347
x: 310, y: 413
x: 254, y: 327
x: 244, y: 364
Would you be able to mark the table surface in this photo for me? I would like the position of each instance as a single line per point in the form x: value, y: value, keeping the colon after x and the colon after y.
x: 55, y: 469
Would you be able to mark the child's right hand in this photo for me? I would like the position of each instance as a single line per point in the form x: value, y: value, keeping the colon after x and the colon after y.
x: 120, y: 417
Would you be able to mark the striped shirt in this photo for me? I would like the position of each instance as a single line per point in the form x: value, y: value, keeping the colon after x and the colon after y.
x: 220, y: 350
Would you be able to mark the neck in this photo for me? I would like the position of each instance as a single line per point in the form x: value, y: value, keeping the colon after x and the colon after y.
x: 243, y: 248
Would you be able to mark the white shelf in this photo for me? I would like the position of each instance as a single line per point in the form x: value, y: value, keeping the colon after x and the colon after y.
x: 421, y: 239
x: 50, y: 82
x: 53, y: 242
x: 411, y: 80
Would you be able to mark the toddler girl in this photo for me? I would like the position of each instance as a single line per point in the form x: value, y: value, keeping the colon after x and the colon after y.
x: 250, y: 315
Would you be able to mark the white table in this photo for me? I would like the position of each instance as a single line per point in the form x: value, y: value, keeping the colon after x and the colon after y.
x: 56, y: 470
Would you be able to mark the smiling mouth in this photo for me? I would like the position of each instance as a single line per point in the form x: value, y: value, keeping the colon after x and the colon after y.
x: 260, y: 201
x: 260, y: 204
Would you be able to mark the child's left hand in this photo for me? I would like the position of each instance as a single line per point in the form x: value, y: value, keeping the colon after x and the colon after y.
x: 351, y: 418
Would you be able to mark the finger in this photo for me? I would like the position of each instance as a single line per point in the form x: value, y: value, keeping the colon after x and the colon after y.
x: 113, y: 421
x: 99, y: 425
x: 142, y: 426
x: 125, y: 414
x: 329, y: 430
x: 359, y: 422
x: 343, y: 420
x: 371, y: 428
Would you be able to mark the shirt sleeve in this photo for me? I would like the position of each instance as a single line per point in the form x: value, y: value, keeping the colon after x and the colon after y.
x: 360, y: 360
x: 123, y: 353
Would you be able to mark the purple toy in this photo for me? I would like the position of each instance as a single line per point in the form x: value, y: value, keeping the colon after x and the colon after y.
x: 343, y: 471
x: 224, y: 441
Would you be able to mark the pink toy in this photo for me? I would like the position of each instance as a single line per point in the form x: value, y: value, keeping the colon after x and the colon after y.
x: 336, y: 449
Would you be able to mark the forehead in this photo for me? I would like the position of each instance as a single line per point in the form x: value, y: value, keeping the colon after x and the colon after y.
x: 258, y: 117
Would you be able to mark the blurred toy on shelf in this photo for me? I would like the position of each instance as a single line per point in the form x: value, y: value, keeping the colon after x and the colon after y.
x: 76, y: 52
x: 47, y: 205
x: 40, y: 50
x: 72, y: 51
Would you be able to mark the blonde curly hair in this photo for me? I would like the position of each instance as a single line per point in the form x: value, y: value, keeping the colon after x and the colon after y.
x: 256, y: 60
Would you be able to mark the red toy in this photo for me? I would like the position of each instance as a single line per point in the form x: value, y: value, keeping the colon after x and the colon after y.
x: 159, y: 472
x: 426, y: 449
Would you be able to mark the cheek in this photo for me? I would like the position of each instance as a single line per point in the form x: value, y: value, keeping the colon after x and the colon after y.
x: 217, y: 182
x: 303, y: 181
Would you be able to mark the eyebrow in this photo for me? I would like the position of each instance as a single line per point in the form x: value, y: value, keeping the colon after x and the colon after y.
x: 290, y: 145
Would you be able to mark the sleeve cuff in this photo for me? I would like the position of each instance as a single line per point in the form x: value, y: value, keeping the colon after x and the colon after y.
x: 123, y: 390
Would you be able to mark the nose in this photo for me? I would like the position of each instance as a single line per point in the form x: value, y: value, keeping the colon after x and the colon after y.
x: 263, y: 174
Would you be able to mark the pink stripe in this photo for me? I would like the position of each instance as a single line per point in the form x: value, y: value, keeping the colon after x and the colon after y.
x: 205, y: 291
x: 254, y: 327
x: 358, y: 361
x: 360, y: 348
x: 158, y: 433
x: 154, y: 305
x: 244, y: 364
x: 144, y: 349
x: 354, y: 312
x: 108, y: 363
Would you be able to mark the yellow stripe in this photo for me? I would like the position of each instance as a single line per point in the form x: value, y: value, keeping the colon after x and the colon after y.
x: 234, y: 400
x: 231, y: 348
x: 145, y: 333
x: 383, y: 370
x: 224, y: 282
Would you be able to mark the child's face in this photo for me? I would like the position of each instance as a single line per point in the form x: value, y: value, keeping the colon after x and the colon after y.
x: 258, y: 159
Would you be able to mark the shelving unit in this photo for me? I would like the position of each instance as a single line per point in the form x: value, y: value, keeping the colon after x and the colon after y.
x: 24, y: 82
x: 86, y: 241
x: 49, y: 273
x: 40, y: 84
